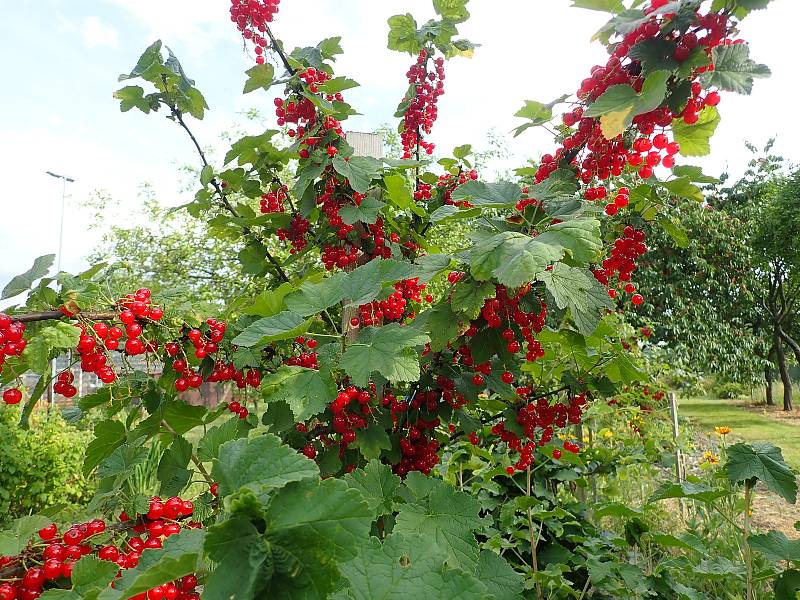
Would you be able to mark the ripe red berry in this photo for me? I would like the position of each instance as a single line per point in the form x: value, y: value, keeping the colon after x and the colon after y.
x: 12, y: 396
x: 507, y: 377
x: 48, y: 533
x: 556, y: 453
x: 637, y: 299
x: 477, y: 379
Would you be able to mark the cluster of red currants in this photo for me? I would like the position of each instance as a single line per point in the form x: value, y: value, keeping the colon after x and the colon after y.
x: 273, y: 201
x: 252, y: 18
x: 535, y: 425
x: 622, y: 262
x: 605, y: 158
x: 304, y: 358
x: 448, y: 182
x: 421, y: 110
x: 50, y: 563
x: 11, y: 340
x: 395, y: 306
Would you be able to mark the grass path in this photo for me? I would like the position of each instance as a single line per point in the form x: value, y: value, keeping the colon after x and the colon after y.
x: 747, y: 425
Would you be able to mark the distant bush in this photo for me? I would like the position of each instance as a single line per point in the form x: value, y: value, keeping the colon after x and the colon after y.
x: 729, y: 389
x: 41, y: 467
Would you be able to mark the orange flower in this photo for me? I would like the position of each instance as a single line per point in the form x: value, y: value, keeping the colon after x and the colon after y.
x: 722, y: 430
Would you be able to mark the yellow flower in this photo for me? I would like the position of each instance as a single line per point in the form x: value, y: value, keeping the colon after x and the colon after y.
x: 608, y: 433
x: 710, y: 457
x: 722, y: 430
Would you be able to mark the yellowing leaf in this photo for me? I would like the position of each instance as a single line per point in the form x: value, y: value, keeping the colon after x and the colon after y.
x: 614, y: 123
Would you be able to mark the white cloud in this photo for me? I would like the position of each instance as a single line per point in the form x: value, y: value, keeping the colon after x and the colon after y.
x: 97, y: 33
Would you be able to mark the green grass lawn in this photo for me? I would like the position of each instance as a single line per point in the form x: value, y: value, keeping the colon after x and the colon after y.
x: 747, y: 425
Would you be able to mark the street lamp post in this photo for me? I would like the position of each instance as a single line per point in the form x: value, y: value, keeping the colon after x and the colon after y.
x: 64, y: 181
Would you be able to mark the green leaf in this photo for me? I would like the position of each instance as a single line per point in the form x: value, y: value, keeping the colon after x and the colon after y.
x: 612, y: 6
x: 283, y: 326
x: 172, y: 471
x: 122, y: 461
x: 478, y: 193
x: 183, y: 417
x: 787, y: 585
x: 692, y: 173
x: 452, y: 10
x: 718, y: 566
x: 312, y: 526
x: 499, y: 577
x: 775, y: 546
x: 734, y: 70
x: 337, y: 84
x: 448, y: 518
x: 388, y: 350
x: 683, y: 187
x: 132, y: 96
x: 372, y: 441
x: 655, y: 54
x: 261, y: 463
x: 469, y: 296
x: 364, y: 283
x: 180, y: 556
x: 366, y: 212
x: 762, y: 461
x: 377, y: 485
x: 23, y: 530
x: 403, y: 34
x: 330, y: 47
x: 58, y: 336
x: 516, y: 258
x: 431, y: 265
x: 108, y: 436
x: 22, y: 283
x: 687, y: 489
x: 678, y: 235
x: 243, y: 560
x: 314, y: 297
x: 694, y: 139
x: 400, y: 194
x: 619, y: 104
x: 442, y: 325
x: 448, y: 212
x: 259, y: 77
x: 307, y: 391
x: 206, y: 175
x: 209, y: 445
x: 406, y: 566
x: 537, y: 113
x: 359, y: 170
x: 578, y: 290
x: 559, y: 188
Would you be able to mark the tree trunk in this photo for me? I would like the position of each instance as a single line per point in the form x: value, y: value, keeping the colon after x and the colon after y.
x: 784, y: 371
x: 768, y: 380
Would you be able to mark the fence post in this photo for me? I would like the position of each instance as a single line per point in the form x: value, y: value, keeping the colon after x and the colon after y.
x: 673, y: 411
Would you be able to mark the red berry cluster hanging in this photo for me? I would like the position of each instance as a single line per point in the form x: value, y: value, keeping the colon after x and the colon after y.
x: 538, y: 420
x: 448, y: 182
x: 395, y: 306
x: 622, y: 262
x: 421, y: 113
x: 274, y: 200
x: 599, y: 158
x: 11, y: 341
x: 252, y: 18
x: 48, y: 563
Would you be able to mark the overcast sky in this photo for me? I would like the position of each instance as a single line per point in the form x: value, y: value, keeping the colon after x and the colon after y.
x: 62, y: 59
